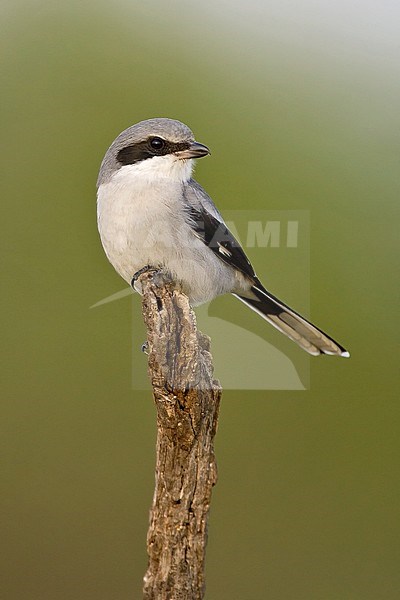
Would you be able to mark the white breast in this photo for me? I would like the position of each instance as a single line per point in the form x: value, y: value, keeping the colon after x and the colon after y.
x: 130, y: 213
x: 141, y: 222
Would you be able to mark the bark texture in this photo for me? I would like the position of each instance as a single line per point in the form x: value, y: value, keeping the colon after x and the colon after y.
x: 187, y: 400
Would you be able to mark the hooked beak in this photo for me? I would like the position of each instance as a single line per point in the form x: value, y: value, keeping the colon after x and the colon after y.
x: 195, y: 150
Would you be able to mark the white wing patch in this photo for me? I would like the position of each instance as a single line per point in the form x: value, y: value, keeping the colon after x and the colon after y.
x: 224, y: 250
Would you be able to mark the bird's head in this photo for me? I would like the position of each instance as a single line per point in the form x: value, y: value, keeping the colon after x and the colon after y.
x: 154, y: 149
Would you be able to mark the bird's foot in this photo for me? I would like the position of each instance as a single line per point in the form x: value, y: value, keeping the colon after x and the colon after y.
x: 159, y: 276
x: 135, y: 283
x: 136, y: 276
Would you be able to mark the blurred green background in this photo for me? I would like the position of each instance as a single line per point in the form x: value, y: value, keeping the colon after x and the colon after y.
x: 299, y: 102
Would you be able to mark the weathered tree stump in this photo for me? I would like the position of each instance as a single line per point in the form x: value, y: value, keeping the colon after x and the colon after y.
x: 187, y: 399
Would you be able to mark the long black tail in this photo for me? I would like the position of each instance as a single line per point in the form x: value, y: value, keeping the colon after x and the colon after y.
x: 305, y: 334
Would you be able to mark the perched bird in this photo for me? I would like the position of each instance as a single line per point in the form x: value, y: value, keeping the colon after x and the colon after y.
x: 152, y: 213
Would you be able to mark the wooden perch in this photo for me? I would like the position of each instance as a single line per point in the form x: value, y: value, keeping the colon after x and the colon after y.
x: 187, y: 400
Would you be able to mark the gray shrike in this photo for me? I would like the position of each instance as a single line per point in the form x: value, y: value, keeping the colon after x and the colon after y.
x: 151, y: 212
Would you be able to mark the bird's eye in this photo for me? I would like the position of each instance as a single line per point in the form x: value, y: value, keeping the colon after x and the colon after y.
x: 157, y: 143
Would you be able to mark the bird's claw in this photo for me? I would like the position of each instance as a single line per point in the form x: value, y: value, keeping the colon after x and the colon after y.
x: 163, y: 277
x: 135, y: 283
x: 136, y: 276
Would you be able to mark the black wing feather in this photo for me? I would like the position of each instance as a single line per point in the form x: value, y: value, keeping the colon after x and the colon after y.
x: 220, y: 240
